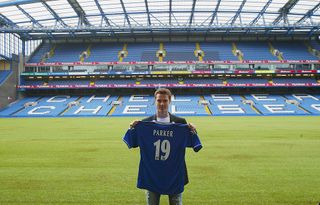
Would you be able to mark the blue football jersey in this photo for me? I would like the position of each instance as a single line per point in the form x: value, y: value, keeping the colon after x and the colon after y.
x: 162, y: 155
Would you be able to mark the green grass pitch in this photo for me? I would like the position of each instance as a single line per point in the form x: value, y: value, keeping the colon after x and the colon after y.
x: 245, y: 161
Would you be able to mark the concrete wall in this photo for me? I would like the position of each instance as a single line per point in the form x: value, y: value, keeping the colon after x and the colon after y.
x: 8, y: 90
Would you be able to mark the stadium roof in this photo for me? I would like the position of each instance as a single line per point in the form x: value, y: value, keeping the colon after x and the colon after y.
x: 53, y: 18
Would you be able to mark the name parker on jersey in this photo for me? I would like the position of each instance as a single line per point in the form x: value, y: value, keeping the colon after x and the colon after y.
x: 163, y: 133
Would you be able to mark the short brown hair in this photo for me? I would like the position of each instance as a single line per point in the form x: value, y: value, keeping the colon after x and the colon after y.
x: 163, y: 91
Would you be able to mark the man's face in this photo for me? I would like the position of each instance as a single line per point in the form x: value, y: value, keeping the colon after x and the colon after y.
x: 162, y: 102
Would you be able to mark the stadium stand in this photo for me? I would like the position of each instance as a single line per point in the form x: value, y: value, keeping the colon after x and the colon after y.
x: 142, y: 52
x: 255, y: 50
x: 175, y: 51
x: 90, y: 106
x: 315, y: 44
x: 265, y: 98
x: 228, y: 105
x: 293, y: 50
x: 18, y: 105
x: 184, y: 105
x: 223, y: 99
x: 279, y: 109
x: 104, y: 52
x: 217, y: 51
x: 310, y: 103
x: 40, y: 52
x: 274, y: 105
x: 47, y: 106
x: 69, y: 52
x: 232, y: 110
x: 180, y: 51
x: 138, y: 99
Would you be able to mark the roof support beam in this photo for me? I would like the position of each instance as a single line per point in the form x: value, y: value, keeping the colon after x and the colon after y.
x: 56, y: 16
x: 192, y: 12
x: 125, y: 13
x: 5, y: 21
x: 215, y: 12
x: 29, y: 16
x: 234, y: 18
x: 283, y: 15
x: 170, y: 12
x: 104, y: 16
x: 284, y: 11
x: 17, y: 2
x: 309, y: 13
x: 36, y: 32
x: 80, y: 12
x: 33, y: 21
x: 263, y: 10
x: 148, y: 13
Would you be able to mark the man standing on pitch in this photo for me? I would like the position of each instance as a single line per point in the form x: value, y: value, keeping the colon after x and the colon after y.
x: 162, y: 101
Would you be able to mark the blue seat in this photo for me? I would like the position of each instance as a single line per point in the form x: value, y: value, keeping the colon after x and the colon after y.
x: 293, y: 50
x: 257, y: 50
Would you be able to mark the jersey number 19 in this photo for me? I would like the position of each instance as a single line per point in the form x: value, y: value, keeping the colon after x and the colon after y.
x: 165, y: 149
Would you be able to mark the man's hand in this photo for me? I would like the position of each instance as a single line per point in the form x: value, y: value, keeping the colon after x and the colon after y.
x: 192, y: 127
x: 133, y: 123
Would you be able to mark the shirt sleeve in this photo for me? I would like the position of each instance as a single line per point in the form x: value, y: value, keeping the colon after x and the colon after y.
x: 131, y: 139
x: 194, y: 141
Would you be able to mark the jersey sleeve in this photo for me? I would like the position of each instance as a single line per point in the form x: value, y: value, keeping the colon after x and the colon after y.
x: 194, y: 141
x: 131, y: 138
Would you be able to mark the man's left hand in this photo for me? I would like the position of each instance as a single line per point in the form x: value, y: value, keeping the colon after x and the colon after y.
x: 192, y: 127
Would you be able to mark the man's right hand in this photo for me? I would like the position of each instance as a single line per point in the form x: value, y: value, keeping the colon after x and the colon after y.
x: 133, y: 123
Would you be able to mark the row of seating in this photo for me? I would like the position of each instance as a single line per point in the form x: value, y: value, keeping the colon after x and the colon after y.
x: 186, y: 105
x: 182, y: 51
x: 172, y: 81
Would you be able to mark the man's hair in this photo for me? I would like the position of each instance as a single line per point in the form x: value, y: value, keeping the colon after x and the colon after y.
x: 163, y: 91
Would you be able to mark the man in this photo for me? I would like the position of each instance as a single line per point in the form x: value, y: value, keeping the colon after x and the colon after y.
x: 162, y: 101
